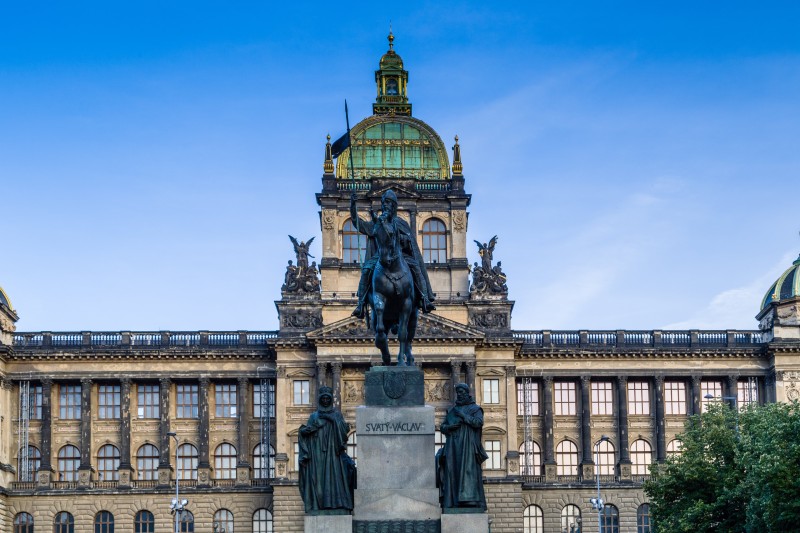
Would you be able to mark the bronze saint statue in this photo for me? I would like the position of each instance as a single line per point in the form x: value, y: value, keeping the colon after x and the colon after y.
x: 327, y: 473
x: 458, y: 463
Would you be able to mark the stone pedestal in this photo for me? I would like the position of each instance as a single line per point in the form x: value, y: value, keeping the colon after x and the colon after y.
x: 396, y: 467
x: 328, y: 524
x: 463, y: 522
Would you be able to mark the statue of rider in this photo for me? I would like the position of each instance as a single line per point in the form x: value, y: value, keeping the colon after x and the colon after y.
x: 409, y: 248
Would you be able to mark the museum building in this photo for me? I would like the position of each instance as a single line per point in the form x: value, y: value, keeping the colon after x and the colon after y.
x: 96, y: 428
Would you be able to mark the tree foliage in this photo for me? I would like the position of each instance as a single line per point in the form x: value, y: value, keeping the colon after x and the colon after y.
x: 738, y: 472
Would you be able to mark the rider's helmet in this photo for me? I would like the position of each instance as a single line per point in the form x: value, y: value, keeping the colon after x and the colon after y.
x: 389, y: 195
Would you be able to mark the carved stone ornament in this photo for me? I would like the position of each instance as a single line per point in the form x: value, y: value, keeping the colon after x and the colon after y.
x: 7, y: 325
x: 792, y: 385
x: 328, y: 219
x: 487, y: 280
x: 437, y: 390
x: 353, y: 392
x: 163, y: 477
x: 301, y: 319
x: 489, y: 319
x: 459, y: 220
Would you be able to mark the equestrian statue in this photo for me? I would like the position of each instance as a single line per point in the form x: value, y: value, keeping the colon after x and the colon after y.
x: 393, y: 278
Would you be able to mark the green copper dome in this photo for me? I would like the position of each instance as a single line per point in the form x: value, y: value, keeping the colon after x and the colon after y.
x: 787, y: 286
x: 386, y: 146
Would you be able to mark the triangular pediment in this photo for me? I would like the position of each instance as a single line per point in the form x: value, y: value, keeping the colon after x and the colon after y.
x: 429, y: 328
x: 399, y: 189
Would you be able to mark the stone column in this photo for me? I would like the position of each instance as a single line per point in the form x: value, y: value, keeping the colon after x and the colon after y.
x: 164, y: 468
x: 85, y: 468
x: 732, y: 390
x: 769, y: 389
x: 587, y: 464
x: 125, y: 468
x: 336, y: 368
x: 697, y: 399
x: 470, y: 377
x: 203, y: 462
x: 549, y: 447
x: 45, y: 472
x: 243, y: 412
x: 661, y: 424
x: 322, y: 378
x: 622, y: 428
x: 455, y: 377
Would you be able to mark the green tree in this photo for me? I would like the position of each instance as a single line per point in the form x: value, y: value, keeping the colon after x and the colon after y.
x: 738, y: 472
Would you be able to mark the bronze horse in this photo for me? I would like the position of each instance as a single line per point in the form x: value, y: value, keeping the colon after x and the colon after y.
x: 392, y: 295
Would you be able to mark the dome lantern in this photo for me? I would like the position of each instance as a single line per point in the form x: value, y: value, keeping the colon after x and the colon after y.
x: 392, y: 85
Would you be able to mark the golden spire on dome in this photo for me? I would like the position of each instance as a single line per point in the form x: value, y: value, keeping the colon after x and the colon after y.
x: 391, y: 38
x: 327, y: 166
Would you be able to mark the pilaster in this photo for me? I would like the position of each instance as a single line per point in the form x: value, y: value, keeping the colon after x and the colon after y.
x: 660, y: 422
x: 85, y: 469
x: 622, y: 428
x: 203, y: 463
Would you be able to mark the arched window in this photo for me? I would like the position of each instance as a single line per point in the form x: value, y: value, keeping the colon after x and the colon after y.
x: 225, y: 461
x: 571, y: 518
x: 23, y: 523
x: 438, y: 441
x: 530, y: 459
x: 533, y: 519
x: 609, y: 519
x: 258, y: 463
x: 104, y: 522
x: 674, y: 448
x: 63, y: 523
x: 147, y: 462
x: 108, y: 463
x: 223, y: 521
x: 643, y: 518
x: 187, y: 522
x: 641, y: 457
x: 353, y: 242
x: 144, y: 522
x: 69, y: 459
x: 567, y: 458
x: 434, y: 241
x: 607, y: 456
x: 33, y: 461
x: 352, y: 447
x: 262, y: 521
x: 187, y: 464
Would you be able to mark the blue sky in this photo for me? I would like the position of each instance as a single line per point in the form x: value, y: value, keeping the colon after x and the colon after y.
x: 639, y: 163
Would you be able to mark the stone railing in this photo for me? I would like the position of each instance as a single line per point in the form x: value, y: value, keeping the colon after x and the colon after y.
x: 623, y: 338
x: 142, y: 339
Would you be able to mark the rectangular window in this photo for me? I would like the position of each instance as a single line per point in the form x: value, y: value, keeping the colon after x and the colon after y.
x: 296, y: 456
x: 108, y: 401
x: 493, y: 451
x: 35, y: 402
x: 712, y: 389
x: 186, y: 401
x: 302, y: 392
x: 268, y: 399
x: 747, y: 392
x: 225, y: 399
x: 527, y: 397
x: 675, y: 397
x: 564, y: 396
x: 69, y: 402
x: 491, y: 391
x: 638, y: 398
x: 149, y: 405
x: 602, y: 398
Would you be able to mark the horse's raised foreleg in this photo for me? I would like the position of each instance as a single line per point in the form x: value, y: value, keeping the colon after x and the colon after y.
x: 381, y: 340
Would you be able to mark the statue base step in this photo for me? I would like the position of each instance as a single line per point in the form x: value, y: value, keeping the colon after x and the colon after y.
x: 328, y: 523
x: 462, y: 522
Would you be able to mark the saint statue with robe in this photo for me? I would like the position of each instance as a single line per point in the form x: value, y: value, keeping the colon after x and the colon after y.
x: 327, y: 473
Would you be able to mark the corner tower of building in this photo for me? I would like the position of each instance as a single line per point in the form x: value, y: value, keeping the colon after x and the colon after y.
x: 393, y: 150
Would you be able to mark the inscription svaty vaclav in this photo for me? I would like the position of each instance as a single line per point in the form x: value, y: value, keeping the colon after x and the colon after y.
x: 394, y: 427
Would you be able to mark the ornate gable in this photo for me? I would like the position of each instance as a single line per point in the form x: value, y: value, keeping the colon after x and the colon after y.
x: 430, y: 328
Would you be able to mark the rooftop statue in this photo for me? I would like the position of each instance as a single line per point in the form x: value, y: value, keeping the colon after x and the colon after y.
x: 487, y: 279
x: 458, y: 463
x: 327, y: 473
x: 301, y: 277
x: 393, y: 278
